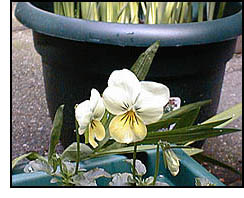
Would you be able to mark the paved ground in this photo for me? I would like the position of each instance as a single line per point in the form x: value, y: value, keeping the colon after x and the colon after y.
x: 31, y: 124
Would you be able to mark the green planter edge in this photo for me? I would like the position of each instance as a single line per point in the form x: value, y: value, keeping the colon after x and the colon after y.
x: 130, y: 34
x: 189, y: 170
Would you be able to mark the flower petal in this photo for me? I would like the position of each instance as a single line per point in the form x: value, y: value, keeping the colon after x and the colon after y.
x: 99, y: 110
x: 153, y: 97
x: 96, y: 129
x: 81, y: 131
x: 127, y: 82
x: 83, y: 114
x: 115, y: 100
x: 99, y: 130
x: 125, y: 132
x: 91, y: 137
x: 94, y: 99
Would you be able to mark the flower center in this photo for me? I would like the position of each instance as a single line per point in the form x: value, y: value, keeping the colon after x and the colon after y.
x: 130, y: 118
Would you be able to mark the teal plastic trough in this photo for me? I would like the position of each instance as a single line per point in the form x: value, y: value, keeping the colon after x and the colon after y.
x: 189, y: 170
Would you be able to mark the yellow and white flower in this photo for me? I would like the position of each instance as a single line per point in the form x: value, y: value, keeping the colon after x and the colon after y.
x: 88, y: 114
x: 135, y: 105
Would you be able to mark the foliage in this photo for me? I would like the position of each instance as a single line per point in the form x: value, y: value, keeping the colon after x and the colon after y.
x: 142, y: 12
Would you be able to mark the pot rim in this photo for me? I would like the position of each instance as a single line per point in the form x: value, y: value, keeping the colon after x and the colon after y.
x: 140, y: 35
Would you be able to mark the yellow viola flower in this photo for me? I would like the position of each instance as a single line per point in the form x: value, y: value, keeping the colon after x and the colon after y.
x: 135, y: 105
x: 88, y: 114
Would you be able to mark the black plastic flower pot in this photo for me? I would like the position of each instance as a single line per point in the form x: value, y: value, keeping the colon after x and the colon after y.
x: 78, y: 55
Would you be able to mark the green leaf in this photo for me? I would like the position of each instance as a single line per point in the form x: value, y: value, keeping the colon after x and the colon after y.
x: 70, y: 153
x: 184, y: 109
x: 205, y: 158
x: 128, y: 149
x: 188, y: 119
x: 233, y: 113
x: 230, y: 115
x: 143, y: 63
x: 182, y: 117
x: 186, y: 134
x: 112, y: 146
x: 29, y: 156
x: 56, y: 131
x: 162, y: 124
x: 221, y: 10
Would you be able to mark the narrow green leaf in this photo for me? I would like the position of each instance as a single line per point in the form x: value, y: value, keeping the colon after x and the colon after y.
x: 144, y: 9
x: 178, y: 11
x: 134, y: 7
x: 183, y: 12
x: 112, y: 146
x: 233, y: 113
x: 143, y: 63
x: 56, y: 131
x: 211, y: 10
x: 205, y: 158
x: 187, y: 134
x: 168, y: 12
x: 184, y: 109
x: 29, y: 156
x: 77, y: 9
x: 188, y: 119
x: 200, y: 12
x: 189, y: 12
x: 160, y: 11
x: 122, y: 10
x: 221, y: 10
x: 103, y: 11
x: 128, y: 149
x: 192, y: 151
x: 162, y: 124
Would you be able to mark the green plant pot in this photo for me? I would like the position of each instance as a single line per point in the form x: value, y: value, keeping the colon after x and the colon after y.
x: 78, y: 55
x: 189, y: 170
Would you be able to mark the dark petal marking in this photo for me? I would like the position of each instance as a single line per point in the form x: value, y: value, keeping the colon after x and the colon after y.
x: 126, y: 119
x: 123, y: 117
x: 136, y: 120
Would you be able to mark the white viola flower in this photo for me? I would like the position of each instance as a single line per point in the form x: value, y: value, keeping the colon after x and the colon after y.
x: 88, y: 114
x: 135, y: 105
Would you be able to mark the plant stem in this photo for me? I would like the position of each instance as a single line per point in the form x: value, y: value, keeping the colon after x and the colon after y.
x: 78, y: 148
x: 156, y: 166
x: 134, y: 162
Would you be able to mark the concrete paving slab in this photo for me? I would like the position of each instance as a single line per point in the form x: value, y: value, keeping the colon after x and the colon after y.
x: 228, y: 148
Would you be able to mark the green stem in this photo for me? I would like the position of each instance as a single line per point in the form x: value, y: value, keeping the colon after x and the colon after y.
x: 156, y: 166
x: 134, y: 162
x: 78, y: 147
